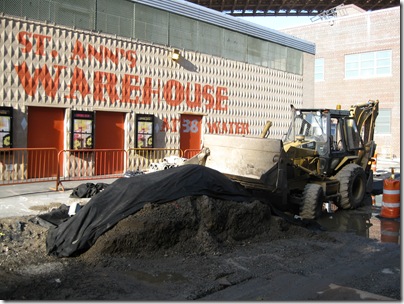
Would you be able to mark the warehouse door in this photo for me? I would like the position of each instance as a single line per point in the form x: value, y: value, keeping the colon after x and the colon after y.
x: 45, y: 130
x: 109, y: 134
x: 190, y: 134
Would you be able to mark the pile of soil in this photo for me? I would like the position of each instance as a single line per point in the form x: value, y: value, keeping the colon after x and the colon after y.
x: 193, y: 248
x: 190, y: 225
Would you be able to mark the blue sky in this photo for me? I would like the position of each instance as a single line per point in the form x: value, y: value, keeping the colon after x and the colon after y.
x: 277, y: 23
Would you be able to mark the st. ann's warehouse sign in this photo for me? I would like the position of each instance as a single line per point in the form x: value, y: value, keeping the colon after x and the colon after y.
x: 108, y: 86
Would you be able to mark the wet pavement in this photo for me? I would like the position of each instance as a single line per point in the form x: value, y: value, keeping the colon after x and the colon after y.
x: 364, y: 221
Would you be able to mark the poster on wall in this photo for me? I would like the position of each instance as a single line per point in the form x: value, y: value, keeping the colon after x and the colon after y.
x: 6, y: 127
x: 144, y: 131
x: 82, y: 130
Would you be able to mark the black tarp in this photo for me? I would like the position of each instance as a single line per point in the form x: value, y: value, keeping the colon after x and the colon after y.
x: 88, y: 190
x: 55, y: 217
x: 126, y: 196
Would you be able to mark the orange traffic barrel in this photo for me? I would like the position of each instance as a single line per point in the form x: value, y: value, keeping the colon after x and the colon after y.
x: 391, y: 199
x: 389, y: 231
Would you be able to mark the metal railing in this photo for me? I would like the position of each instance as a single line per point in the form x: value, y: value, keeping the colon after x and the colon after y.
x: 86, y: 164
x: 28, y: 165
x: 141, y: 158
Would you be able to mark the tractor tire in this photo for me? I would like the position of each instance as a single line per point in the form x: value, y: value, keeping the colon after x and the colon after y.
x: 312, y: 204
x: 352, y: 179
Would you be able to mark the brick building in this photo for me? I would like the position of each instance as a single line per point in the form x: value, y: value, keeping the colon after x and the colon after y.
x: 358, y: 59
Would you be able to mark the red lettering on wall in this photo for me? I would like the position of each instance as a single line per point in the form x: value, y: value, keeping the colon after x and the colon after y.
x: 228, y: 128
x: 208, y: 96
x: 93, y: 53
x: 78, y: 50
x: 231, y: 128
x: 101, y: 55
x: 224, y: 128
x: 164, y: 126
x: 197, y: 96
x: 23, y: 39
x: 78, y: 83
x: 128, y: 88
x: 108, y: 54
x: 174, y: 125
x: 103, y: 84
x: 213, y: 127
x: 220, y: 98
x: 173, y: 92
x: 147, y: 91
x: 30, y: 83
x: 171, y: 126
x: 40, y: 42
x: 245, y: 128
x: 130, y: 55
x: 107, y: 81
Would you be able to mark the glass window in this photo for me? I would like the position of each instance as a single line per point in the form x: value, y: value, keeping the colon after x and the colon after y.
x: 383, y: 122
x: 144, y: 131
x: 82, y: 135
x: 368, y: 65
x: 336, y: 135
x: 319, y: 69
x: 6, y: 127
x: 354, y: 141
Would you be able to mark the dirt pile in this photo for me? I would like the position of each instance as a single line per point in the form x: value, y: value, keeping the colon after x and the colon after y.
x: 22, y: 242
x: 191, y: 225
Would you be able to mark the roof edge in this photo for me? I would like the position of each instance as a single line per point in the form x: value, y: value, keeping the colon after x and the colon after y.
x: 214, y: 17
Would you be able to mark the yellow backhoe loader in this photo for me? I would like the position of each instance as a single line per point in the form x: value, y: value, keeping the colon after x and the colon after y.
x: 325, y: 157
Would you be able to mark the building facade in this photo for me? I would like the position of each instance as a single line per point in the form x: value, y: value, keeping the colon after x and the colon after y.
x: 358, y: 59
x: 105, y: 68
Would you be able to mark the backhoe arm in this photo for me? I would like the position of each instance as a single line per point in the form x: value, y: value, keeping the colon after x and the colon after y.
x: 365, y: 116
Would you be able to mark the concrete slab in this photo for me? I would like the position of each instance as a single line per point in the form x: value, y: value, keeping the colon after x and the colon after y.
x: 37, y: 198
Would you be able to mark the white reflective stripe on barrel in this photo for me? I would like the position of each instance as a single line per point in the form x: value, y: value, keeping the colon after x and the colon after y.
x: 391, y: 205
x: 389, y: 233
x: 392, y: 192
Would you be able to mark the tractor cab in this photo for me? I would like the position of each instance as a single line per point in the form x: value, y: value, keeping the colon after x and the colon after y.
x: 322, y: 139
